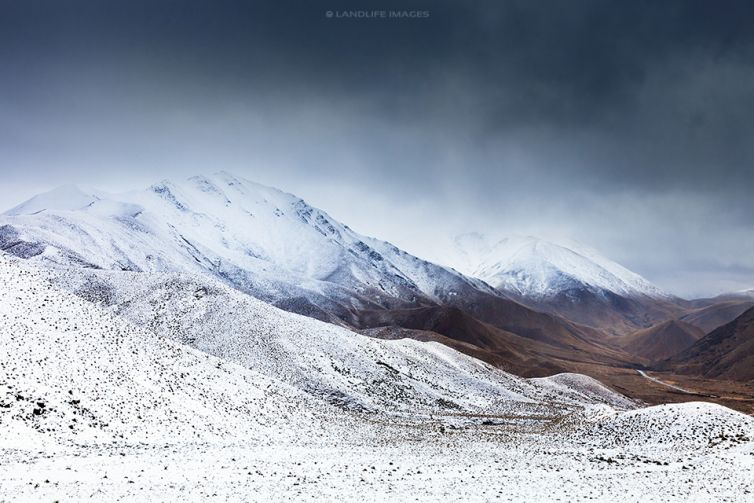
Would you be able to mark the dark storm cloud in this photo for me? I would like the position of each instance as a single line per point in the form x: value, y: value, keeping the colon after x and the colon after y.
x: 505, y: 115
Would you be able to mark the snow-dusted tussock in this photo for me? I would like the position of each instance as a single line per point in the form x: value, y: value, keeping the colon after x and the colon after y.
x: 70, y: 371
x: 693, y: 425
x: 338, y: 365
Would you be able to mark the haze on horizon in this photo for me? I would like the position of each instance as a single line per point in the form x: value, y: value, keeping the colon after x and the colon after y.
x: 625, y: 126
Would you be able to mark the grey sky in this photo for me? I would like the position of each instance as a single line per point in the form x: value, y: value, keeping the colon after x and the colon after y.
x: 625, y: 125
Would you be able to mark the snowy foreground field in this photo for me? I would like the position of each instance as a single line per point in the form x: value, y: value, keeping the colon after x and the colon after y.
x: 150, y: 387
x: 478, y: 464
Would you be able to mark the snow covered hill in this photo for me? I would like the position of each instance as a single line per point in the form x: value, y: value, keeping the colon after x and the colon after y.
x: 571, y: 280
x: 535, y: 268
x: 686, y: 426
x: 72, y: 373
x: 335, y: 364
x: 258, y: 239
x: 64, y: 198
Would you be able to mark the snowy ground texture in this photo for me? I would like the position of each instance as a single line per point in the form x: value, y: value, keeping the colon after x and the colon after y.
x: 168, y: 387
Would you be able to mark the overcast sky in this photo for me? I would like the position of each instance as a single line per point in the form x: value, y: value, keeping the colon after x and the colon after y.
x: 626, y: 125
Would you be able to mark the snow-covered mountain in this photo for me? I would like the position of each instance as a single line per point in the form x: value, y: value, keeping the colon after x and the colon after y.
x: 535, y: 268
x: 277, y: 248
x: 133, y: 363
x: 571, y: 280
x: 258, y: 239
x: 63, y: 198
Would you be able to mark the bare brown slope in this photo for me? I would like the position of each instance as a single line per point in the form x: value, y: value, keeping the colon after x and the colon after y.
x: 539, y: 355
x: 516, y: 318
x: 716, y: 315
x: 607, y: 312
x: 660, y: 341
x: 727, y: 352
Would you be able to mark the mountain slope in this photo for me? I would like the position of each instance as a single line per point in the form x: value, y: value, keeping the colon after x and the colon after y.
x: 64, y: 198
x: 329, y: 362
x: 79, y: 372
x: 727, y: 352
x: 258, y: 239
x: 72, y: 373
x: 545, y: 349
x: 661, y: 341
x: 571, y: 281
x: 692, y: 425
x: 747, y: 294
x: 716, y: 314
x: 95, y: 406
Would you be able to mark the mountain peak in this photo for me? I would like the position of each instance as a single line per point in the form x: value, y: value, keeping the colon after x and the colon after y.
x: 67, y: 197
x: 534, y: 267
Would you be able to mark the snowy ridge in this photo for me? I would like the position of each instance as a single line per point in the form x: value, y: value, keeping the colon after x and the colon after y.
x: 332, y: 363
x: 538, y: 269
x: 64, y: 198
x: 588, y: 389
x: 258, y: 239
x: 692, y: 425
